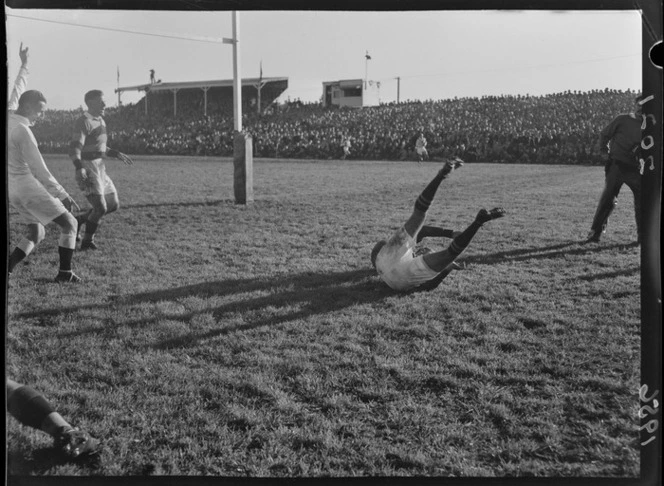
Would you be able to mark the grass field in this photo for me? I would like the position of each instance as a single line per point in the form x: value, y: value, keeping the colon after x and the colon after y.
x: 216, y: 339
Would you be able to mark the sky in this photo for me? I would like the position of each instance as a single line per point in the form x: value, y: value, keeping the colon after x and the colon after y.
x: 436, y: 54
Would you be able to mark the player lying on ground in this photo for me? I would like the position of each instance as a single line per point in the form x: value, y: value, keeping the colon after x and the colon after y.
x: 29, y: 407
x: 395, y: 260
x: 33, y: 192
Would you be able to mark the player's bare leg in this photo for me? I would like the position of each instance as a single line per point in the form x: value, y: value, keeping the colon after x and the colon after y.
x: 31, y: 408
x: 101, y: 206
x: 34, y: 236
x: 66, y: 247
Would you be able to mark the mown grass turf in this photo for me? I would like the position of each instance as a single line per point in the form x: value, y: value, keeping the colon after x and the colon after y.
x: 214, y: 339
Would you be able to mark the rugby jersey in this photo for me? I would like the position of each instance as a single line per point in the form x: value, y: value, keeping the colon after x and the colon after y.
x: 89, y: 138
x: 24, y: 159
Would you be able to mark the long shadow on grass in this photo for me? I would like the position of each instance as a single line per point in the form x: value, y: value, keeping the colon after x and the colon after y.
x: 306, y: 295
x: 290, y: 297
x: 218, y: 202
x: 620, y: 273
x: 542, y: 253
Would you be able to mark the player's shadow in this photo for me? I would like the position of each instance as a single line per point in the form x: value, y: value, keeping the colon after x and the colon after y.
x: 219, y: 202
x: 296, y: 298
x: 620, y: 273
x: 542, y: 253
x: 289, y: 298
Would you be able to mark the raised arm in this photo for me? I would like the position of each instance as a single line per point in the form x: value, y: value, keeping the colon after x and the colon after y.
x: 21, y: 82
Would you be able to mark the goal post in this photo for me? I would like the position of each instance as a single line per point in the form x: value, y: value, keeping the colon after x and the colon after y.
x: 243, y: 163
x: 243, y: 178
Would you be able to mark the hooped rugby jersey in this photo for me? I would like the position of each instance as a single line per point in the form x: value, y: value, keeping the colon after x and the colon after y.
x: 89, y: 138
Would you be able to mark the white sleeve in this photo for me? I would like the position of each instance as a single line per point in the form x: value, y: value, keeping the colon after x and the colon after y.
x: 30, y: 152
x: 20, y: 85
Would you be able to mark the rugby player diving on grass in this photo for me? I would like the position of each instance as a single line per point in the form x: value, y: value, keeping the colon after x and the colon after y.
x: 404, y: 268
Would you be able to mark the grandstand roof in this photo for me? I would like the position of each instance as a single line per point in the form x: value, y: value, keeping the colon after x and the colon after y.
x: 216, y: 83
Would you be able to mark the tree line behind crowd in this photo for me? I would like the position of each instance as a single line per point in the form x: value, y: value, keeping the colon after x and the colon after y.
x: 560, y: 128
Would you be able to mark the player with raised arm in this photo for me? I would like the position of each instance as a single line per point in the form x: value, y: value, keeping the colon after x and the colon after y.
x: 33, y: 192
x: 396, y: 260
x: 87, y: 151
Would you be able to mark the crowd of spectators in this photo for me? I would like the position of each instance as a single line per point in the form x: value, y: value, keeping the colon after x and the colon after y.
x: 560, y: 128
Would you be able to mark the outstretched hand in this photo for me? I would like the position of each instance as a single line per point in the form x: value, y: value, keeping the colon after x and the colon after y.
x: 125, y: 158
x: 23, y: 54
x: 70, y: 204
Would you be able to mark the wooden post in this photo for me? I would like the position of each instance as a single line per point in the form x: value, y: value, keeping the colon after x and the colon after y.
x: 243, y: 183
x: 243, y: 179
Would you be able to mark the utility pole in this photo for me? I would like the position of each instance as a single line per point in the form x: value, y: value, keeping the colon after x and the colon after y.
x: 398, y: 87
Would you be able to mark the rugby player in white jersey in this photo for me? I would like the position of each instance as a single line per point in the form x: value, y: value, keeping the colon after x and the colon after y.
x: 396, y: 259
x: 33, y: 192
x: 87, y: 150
x: 421, y: 147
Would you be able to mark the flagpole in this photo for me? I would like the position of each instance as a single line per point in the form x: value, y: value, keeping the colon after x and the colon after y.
x: 260, y: 85
x: 366, y: 68
x: 119, y: 101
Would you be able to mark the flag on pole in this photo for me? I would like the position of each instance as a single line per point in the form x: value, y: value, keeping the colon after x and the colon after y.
x: 367, y: 56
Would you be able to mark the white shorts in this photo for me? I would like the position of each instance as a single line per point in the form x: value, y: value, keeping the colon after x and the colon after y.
x: 97, y: 182
x: 421, y: 150
x: 32, y: 201
x: 397, y: 267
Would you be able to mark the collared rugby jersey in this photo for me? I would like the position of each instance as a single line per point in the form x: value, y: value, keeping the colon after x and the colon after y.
x: 89, y: 138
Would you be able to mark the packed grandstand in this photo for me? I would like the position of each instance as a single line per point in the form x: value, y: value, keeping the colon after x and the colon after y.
x: 561, y: 128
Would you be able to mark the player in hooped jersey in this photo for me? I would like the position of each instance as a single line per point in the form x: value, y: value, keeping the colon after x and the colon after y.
x: 87, y: 151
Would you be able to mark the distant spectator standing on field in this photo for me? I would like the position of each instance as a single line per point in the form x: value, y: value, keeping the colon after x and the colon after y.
x: 620, y: 142
x: 87, y: 150
x: 396, y: 260
x: 421, y: 147
x: 345, y: 145
x: 32, y: 191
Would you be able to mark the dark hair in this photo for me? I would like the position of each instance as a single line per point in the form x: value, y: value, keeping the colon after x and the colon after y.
x: 31, y: 96
x: 94, y: 93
